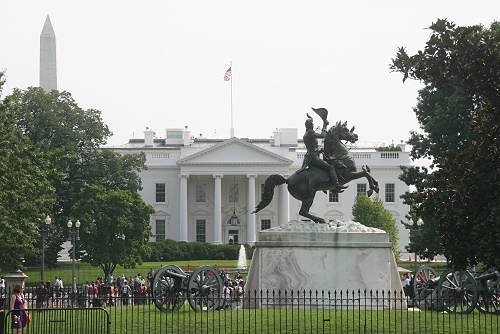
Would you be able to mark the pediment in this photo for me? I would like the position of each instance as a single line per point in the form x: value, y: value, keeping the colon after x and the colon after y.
x: 234, y: 151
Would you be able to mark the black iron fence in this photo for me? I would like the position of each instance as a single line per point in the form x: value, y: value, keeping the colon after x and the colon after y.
x: 271, y: 312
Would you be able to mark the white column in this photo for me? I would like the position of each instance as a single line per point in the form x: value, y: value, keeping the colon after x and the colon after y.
x: 251, y: 206
x: 217, y: 209
x: 284, y: 207
x: 183, y: 209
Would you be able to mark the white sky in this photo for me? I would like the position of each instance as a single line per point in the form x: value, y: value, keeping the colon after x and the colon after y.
x: 161, y: 64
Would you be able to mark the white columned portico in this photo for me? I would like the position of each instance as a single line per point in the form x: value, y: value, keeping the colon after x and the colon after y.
x: 218, y: 209
x: 284, y: 207
x: 251, y: 206
x: 184, y: 208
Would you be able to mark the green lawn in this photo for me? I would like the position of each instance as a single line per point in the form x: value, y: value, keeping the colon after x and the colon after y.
x: 84, y: 271
x: 147, y: 319
x: 440, y: 267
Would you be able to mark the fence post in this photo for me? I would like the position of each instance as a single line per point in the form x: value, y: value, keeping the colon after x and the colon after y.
x: 2, y: 321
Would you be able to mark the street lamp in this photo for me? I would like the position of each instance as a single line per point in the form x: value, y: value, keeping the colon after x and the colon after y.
x: 416, y: 227
x: 74, y: 234
x: 44, y: 231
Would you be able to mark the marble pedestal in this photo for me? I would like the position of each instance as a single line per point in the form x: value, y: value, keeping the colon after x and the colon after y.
x: 325, y: 259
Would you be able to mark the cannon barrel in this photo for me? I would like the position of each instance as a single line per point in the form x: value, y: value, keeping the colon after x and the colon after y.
x: 172, y: 274
x: 493, y: 275
x: 433, y: 282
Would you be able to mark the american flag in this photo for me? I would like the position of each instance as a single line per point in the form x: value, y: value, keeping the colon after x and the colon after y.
x: 227, y: 75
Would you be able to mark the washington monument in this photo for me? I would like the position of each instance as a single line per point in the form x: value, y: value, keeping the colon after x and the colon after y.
x: 48, y: 64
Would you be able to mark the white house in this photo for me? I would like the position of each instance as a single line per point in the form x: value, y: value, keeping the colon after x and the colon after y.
x: 205, y: 189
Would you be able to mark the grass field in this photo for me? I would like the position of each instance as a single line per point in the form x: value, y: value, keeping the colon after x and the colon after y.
x: 292, y: 319
x: 84, y: 272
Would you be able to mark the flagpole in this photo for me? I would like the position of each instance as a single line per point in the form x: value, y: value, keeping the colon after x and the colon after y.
x: 232, y: 129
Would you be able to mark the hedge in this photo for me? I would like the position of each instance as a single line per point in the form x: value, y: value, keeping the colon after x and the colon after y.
x: 171, y: 250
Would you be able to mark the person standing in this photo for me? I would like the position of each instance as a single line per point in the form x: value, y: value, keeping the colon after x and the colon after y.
x: 57, y: 287
x: 85, y: 294
x: 40, y: 295
x: 2, y: 286
x: 227, y: 295
x: 17, y: 309
x: 125, y: 290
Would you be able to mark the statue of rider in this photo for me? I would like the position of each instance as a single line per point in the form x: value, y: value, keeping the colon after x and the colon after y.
x: 312, y: 157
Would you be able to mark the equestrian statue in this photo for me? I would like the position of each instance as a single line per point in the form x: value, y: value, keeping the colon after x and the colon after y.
x: 329, y: 173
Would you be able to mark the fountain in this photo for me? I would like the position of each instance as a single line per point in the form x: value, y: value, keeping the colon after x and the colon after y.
x: 242, y: 258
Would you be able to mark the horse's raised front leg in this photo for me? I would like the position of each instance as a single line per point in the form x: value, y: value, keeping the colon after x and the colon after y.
x: 373, y: 184
x: 304, y: 210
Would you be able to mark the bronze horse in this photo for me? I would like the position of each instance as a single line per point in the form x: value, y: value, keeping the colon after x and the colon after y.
x: 303, y: 186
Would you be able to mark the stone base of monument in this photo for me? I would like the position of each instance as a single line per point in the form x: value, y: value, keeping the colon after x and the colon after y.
x: 337, y: 265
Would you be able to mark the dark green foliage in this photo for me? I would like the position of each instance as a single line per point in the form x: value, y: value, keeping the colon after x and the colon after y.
x: 391, y: 148
x: 371, y: 212
x: 24, y: 188
x: 171, y: 250
x: 459, y: 198
x: 115, y: 228
x: 51, y: 154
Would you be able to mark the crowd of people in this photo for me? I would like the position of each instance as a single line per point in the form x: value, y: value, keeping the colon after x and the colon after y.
x: 102, y: 292
x: 111, y: 291
x: 232, y: 291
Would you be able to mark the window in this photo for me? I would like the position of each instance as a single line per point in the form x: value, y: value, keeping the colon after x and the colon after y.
x: 174, y: 134
x: 360, y: 188
x: 201, y: 230
x: 265, y: 224
x: 390, y: 192
x: 201, y: 193
x: 160, y: 229
x: 233, y: 236
x: 333, y: 197
x: 160, y: 193
x: 233, y: 193
x: 262, y: 190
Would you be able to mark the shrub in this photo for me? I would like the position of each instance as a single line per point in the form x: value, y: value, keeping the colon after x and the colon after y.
x: 171, y: 250
x: 219, y: 256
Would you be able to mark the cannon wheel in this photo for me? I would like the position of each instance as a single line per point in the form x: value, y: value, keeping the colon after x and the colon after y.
x: 422, y: 281
x: 168, y: 294
x: 204, y: 289
x: 458, y: 291
x: 489, y: 296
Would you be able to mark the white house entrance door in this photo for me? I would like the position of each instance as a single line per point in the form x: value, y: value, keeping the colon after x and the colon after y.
x: 233, y: 237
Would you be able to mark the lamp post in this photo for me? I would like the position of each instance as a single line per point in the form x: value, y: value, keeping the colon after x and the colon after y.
x: 416, y: 227
x: 74, y: 234
x: 44, y: 231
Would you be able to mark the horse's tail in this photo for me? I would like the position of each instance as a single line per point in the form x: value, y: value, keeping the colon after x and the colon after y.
x: 267, y: 196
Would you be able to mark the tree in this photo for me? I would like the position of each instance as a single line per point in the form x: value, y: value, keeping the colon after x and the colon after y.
x: 115, y: 227
x: 372, y: 213
x: 459, y: 199
x: 24, y: 189
x: 70, y: 138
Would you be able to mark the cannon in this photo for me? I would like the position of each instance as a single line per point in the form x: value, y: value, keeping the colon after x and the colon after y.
x: 172, y: 287
x: 424, y: 287
x: 457, y: 291
x: 488, y: 282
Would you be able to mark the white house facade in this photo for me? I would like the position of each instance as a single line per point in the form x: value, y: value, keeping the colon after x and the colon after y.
x: 205, y: 189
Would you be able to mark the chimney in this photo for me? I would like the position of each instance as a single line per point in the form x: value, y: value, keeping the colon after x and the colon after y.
x: 148, y: 137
